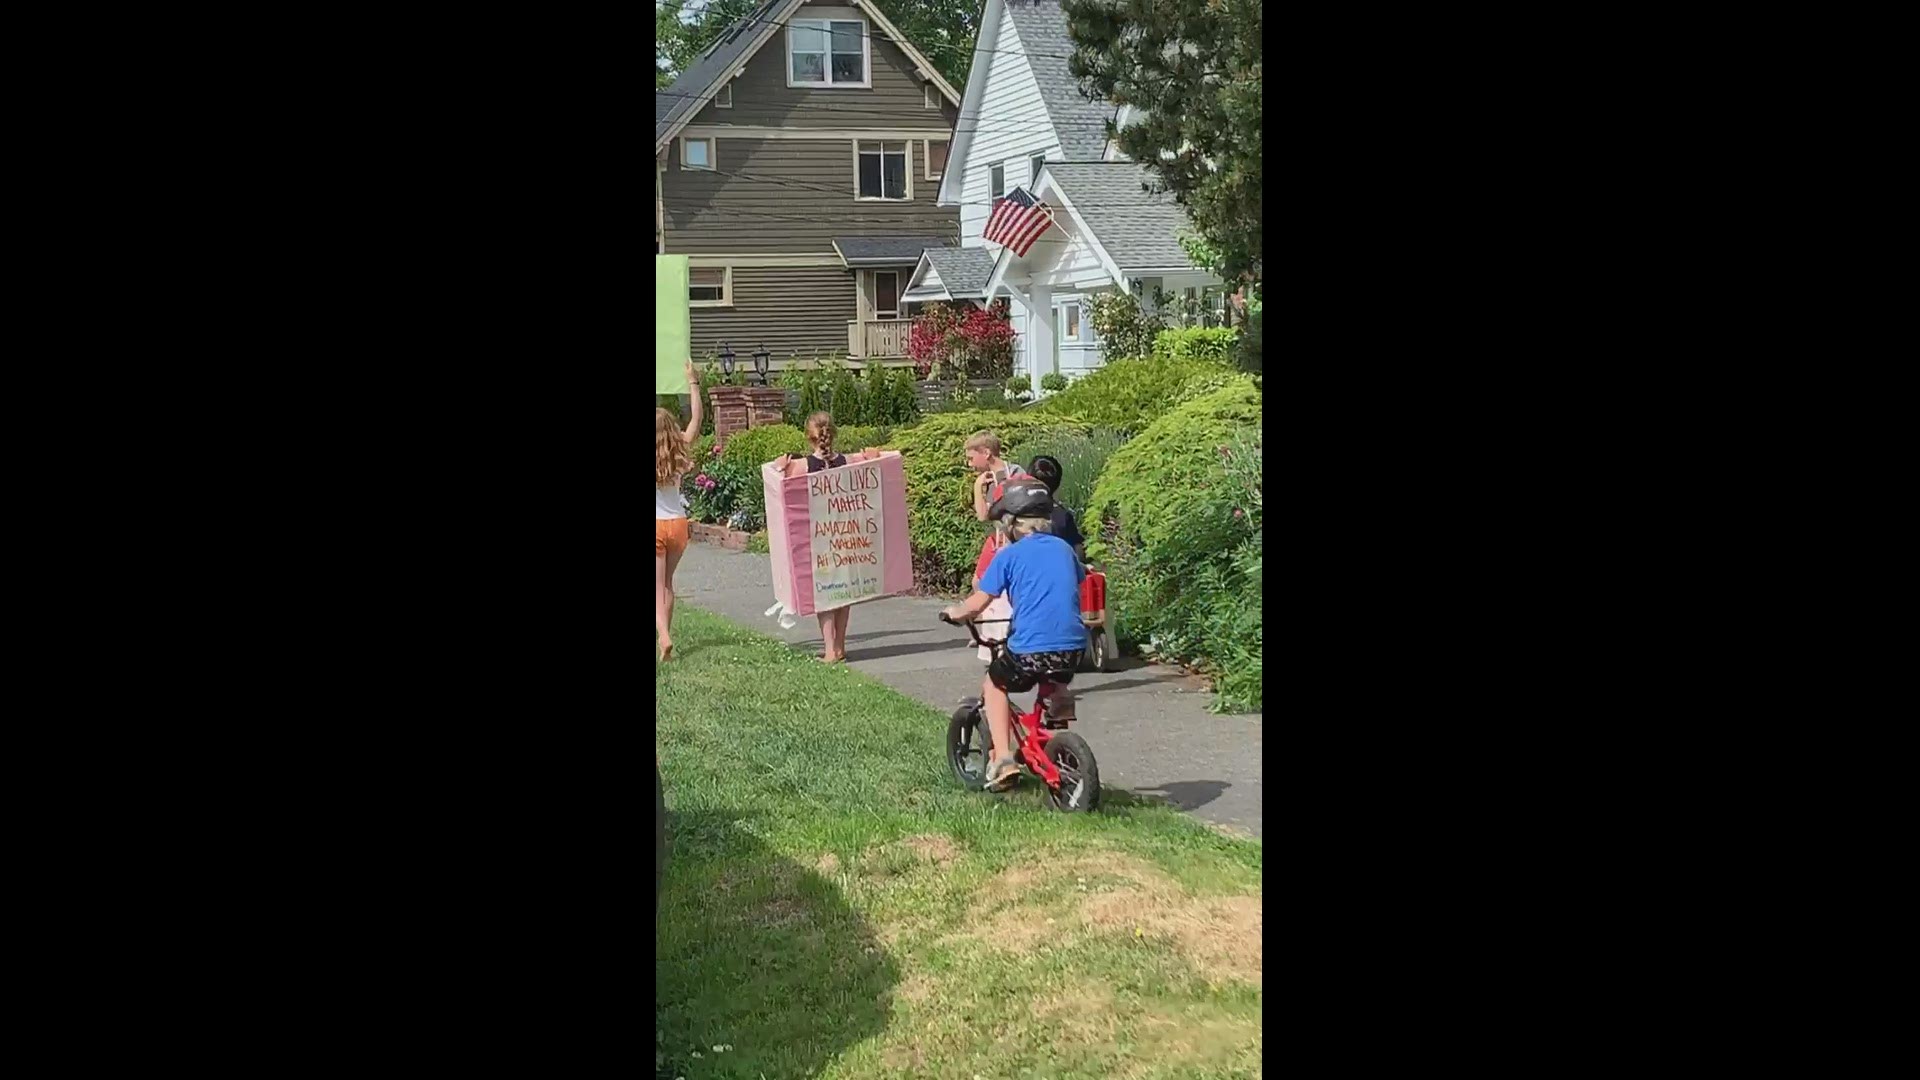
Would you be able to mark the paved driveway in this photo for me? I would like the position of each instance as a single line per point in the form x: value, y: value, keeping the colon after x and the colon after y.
x: 1148, y: 725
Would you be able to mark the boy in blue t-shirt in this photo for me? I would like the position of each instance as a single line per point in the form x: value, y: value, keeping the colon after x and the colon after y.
x: 1040, y: 578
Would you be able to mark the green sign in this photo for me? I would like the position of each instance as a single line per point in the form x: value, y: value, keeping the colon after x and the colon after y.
x: 671, y: 327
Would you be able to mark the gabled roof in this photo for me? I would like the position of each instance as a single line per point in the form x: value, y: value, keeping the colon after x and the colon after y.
x: 1139, y: 231
x: 962, y: 270
x: 1041, y: 27
x: 882, y: 250
x: 679, y: 103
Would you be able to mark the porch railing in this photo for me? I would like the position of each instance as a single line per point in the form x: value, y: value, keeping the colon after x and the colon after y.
x: 869, y: 339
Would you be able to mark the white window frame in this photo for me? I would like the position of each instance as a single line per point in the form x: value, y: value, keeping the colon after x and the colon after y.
x: 726, y: 288
x: 1035, y: 162
x: 932, y: 98
x: 822, y: 19
x: 1079, y: 322
x: 926, y: 151
x: 906, y: 173
x: 723, y: 97
x: 1001, y: 168
x: 899, y: 305
x: 713, y: 153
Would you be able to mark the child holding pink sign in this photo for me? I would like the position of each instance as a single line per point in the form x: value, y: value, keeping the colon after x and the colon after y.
x: 820, y: 433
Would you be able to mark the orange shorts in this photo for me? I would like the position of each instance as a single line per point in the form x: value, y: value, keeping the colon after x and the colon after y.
x: 669, y: 534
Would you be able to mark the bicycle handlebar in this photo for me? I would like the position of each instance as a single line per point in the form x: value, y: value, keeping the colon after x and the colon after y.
x: 972, y: 626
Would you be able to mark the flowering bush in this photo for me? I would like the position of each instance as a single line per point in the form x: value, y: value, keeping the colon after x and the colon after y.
x: 933, y: 338
x: 954, y: 342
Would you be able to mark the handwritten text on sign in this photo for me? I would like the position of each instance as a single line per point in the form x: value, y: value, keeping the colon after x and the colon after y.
x: 847, y: 520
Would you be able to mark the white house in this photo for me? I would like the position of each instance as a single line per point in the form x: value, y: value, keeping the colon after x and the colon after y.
x: 1024, y: 123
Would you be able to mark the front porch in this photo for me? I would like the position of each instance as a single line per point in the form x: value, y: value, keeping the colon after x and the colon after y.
x: 878, y: 339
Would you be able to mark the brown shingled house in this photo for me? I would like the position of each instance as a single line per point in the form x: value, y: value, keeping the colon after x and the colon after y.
x: 797, y: 164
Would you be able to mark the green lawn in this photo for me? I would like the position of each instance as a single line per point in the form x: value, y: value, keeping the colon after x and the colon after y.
x: 836, y: 905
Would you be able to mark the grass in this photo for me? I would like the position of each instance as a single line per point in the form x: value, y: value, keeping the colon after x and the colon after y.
x: 836, y: 905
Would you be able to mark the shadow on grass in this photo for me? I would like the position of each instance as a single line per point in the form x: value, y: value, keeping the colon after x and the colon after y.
x: 760, y: 954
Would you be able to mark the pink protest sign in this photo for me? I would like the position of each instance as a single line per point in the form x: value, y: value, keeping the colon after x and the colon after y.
x: 838, y: 536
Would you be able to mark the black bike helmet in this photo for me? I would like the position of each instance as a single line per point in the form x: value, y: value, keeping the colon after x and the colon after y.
x: 1022, y: 498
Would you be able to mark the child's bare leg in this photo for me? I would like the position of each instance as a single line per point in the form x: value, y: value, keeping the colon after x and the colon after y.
x: 1000, y: 723
x: 828, y: 647
x: 662, y: 607
x: 840, y: 631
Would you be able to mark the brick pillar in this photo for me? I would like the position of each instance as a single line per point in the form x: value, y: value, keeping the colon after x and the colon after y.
x: 730, y: 411
x: 765, y: 405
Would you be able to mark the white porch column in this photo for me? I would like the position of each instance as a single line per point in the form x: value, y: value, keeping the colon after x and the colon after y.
x: 1043, y: 342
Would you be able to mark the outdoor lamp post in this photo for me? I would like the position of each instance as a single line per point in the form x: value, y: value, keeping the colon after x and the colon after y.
x: 726, y: 360
x: 760, y: 363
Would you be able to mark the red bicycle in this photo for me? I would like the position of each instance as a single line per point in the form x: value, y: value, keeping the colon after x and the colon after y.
x: 1055, y: 756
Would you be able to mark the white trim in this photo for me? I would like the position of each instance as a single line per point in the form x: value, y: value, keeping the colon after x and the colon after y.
x: 765, y: 261
x: 906, y: 171
x: 926, y: 152
x: 829, y: 16
x: 726, y: 288
x: 923, y: 65
x: 770, y: 23
x: 991, y: 165
x: 723, y: 97
x: 987, y: 44
x: 1033, y: 171
x: 713, y: 153
x: 750, y: 131
x: 1079, y: 321
x: 1082, y: 230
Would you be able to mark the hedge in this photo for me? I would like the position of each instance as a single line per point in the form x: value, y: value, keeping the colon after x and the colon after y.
x: 940, y: 519
x: 1180, y: 537
x: 1131, y: 393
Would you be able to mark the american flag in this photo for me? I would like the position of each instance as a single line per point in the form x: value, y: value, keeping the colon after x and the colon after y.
x: 1017, y: 221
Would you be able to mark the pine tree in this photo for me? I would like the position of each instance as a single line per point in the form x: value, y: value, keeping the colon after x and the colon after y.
x: 1191, y: 69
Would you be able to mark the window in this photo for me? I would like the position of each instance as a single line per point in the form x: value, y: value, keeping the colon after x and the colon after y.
x: 710, y: 286
x: 936, y: 159
x: 1035, y: 164
x: 1070, y: 322
x: 880, y: 170
x: 886, y: 294
x: 696, y: 153
x: 724, y: 98
x: 997, y: 179
x: 826, y: 52
x: 933, y: 97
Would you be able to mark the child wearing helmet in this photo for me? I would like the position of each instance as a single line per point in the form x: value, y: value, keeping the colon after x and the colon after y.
x: 1039, y: 577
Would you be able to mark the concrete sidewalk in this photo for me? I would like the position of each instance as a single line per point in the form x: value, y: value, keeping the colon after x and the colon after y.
x: 1148, y: 725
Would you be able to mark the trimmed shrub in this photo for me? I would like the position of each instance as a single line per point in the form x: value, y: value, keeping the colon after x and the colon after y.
x: 843, y: 398
x: 1211, y: 343
x: 1053, y: 382
x: 1082, y: 458
x: 946, y: 534
x: 726, y: 490
x: 1179, y: 513
x: 902, y: 397
x: 1131, y: 393
x: 860, y: 436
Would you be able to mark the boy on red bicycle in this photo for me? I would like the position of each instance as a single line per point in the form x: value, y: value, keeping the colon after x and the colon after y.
x: 1040, y: 577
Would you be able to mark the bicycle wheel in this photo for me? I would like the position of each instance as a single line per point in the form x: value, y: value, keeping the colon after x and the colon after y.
x: 1079, y: 790
x: 969, y: 745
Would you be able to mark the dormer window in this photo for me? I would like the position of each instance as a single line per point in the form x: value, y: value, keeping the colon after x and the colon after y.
x: 827, y: 53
